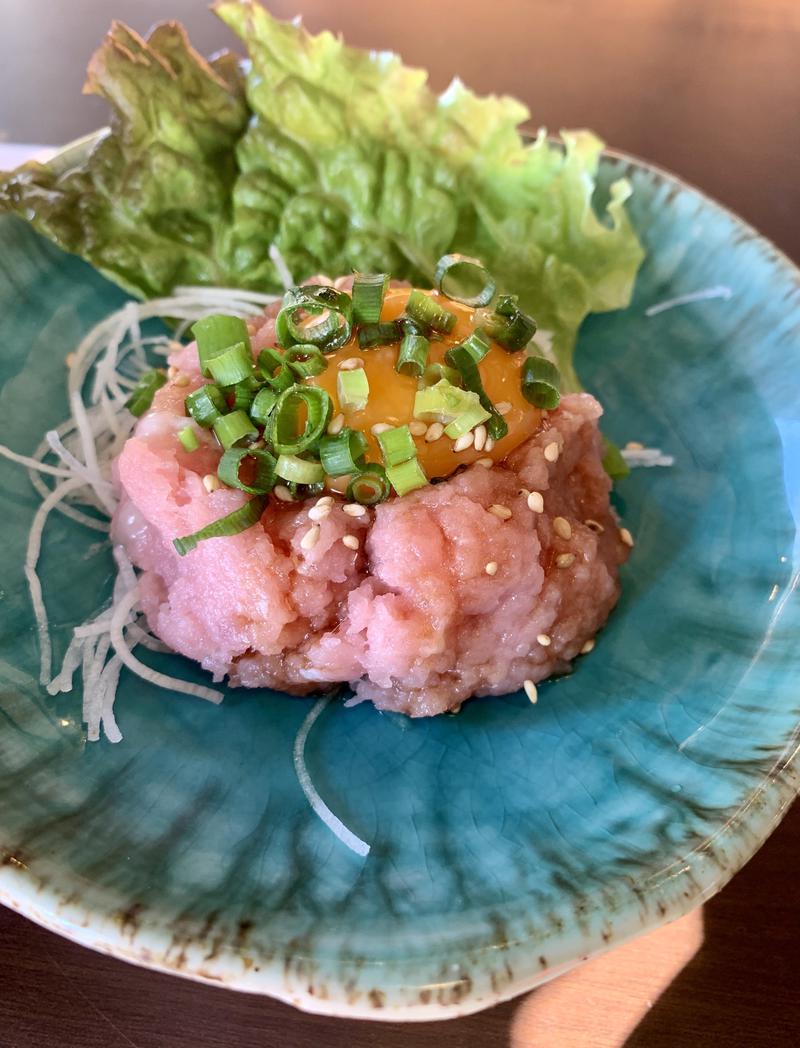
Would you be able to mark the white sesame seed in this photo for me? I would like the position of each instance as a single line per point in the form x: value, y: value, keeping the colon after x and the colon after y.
x: 565, y: 560
x: 491, y: 567
x: 530, y: 690
x: 487, y: 463
x: 480, y: 437
x: 319, y: 512
x: 503, y: 512
x: 489, y: 445
x: 324, y: 500
x: 594, y: 525
x: 380, y: 427
x: 211, y: 482
x: 544, y: 640
x: 336, y: 424
x: 503, y: 407
x: 562, y: 528
x: 351, y: 364
x: 280, y: 491
x: 417, y: 428
x: 182, y: 380
x: 70, y: 359
x: 351, y: 541
x: 588, y: 646
x: 433, y: 432
x: 463, y: 442
x: 536, y: 502
x: 551, y: 452
x: 626, y: 537
x: 352, y: 509
x: 311, y: 537
x: 634, y: 445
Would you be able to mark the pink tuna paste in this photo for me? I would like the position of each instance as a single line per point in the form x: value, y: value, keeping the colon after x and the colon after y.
x: 411, y: 620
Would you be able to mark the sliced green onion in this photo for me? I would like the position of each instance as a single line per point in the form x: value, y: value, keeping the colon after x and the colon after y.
x: 298, y: 470
x: 408, y: 476
x: 240, y: 520
x: 541, y: 382
x: 413, y: 355
x: 370, y: 486
x: 508, y: 325
x: 352, y: 389
x: 443, y: 402
x: 464, y: 279
x: 467, y: 421
x: 143, y: 392
x: 343, y: 453
x: 206, y: 404
x: 305, y: 360
x: 244, y: 393
x: 261, y: 463
x: 215, y: 333
x: 464, y: 362
x: 231, y: 365
x: 277, y: 373
x: 613, y: 462
x: 335, y: 308
x: 397, y: 445
x: 426, y: 312
x: 372, y: 335
x: 298, y: 419
x: 188, y: 438
x: 368, y: 292
x: 232, y: 428
x: 305, y: 491
x: 262, y: 405
x: 436, y: 372
x: 476, y: 344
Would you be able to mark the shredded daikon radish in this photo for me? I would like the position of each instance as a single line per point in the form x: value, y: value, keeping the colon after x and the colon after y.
x: 279, y: 262
x: 721, y: 291
x: 112, y: 356
x: 32, y: 463
x: 320, y: 808
x: 646, y: 457
x: 31, y: 561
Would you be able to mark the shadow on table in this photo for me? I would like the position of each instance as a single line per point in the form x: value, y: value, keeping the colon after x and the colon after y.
x: 741, y: 988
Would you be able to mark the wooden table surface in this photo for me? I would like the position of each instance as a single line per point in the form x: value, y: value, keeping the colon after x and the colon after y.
x: 710, y: 89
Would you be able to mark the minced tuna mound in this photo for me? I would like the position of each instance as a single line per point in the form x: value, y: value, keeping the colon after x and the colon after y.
x: 411, y: 620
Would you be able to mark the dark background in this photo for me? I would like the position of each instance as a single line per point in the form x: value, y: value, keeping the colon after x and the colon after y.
x: 709, y: 89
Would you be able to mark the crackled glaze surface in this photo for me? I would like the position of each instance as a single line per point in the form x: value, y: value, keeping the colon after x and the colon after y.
x: 510, y: 841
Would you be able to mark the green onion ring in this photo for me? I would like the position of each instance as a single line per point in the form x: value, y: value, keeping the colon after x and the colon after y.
x: 541, y: 382
x: 143, y: 392
x: 231, y: 462
x: 368, y: 294
x: 447, y: 270
x: 343, y: 453
x: 305, y: 360
x: 328, y: 334
x: 285, y: 416
x: 464, y: 362
x: 370, y: 486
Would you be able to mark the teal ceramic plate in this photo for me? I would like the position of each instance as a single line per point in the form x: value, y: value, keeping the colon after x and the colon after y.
x: 508, y: 842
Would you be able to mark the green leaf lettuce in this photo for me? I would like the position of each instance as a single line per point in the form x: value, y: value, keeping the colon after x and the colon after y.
x: 343, y: 159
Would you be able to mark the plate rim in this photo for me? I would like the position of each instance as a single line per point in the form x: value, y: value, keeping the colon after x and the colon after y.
x: 754, y: 820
